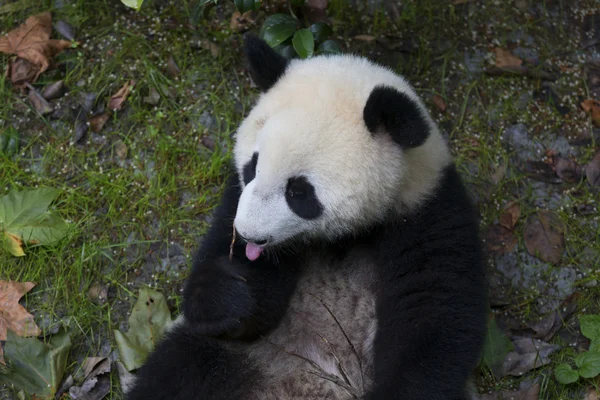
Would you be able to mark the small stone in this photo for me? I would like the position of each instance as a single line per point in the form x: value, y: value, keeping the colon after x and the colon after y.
x: 121, y: 150
x: 98, y: 294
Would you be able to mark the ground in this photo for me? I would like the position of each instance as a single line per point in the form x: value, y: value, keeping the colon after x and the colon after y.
x: 139, y: 192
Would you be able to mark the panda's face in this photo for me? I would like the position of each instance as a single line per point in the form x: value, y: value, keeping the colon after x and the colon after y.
x: 314, y: 160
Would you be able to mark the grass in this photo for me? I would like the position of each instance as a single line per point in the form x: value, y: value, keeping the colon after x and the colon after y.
x: 137, y: 219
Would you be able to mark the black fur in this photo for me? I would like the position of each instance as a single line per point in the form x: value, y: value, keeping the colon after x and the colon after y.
x: 430, y: 306
x: 302, y: 199
x: 265, y: 64
x: 249, y: 171
x: 396, y: 114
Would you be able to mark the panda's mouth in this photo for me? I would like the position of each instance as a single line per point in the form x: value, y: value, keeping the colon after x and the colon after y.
x: 253, y: 251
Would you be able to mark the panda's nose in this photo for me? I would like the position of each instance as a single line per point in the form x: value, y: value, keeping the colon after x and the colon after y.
x: 260, y: 242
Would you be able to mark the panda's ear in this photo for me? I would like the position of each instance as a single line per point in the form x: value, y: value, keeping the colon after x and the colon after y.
x: 392, y: 112
x: 265, y: 64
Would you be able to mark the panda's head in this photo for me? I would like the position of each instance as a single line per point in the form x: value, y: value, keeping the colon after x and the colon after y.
x: 334, y: 145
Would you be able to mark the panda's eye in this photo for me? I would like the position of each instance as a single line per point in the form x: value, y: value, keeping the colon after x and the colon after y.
x: 297, y: 189
x: 249, y: 171
x: 301, y: 197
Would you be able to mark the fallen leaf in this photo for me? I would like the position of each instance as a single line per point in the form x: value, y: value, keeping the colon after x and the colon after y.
x: 20, y: 71
x: 504, y: 58
x: 592, y: 107
x: 117, y: 99
x: 34, y: 366
x: 592, y: 171
x: 526, y: 393
x: 439, y: 102
x: 541, y: 171
x: 241, y: 22
x: 95, y: 381
x: 31, y: 41
x: 511, y: 215
x: 528, y: 354
x: 172, y: 68
x: 25, y: 218
x: 149, y: 320
x: 592, y: 394
x: 97, y: 122
x: 38, y: 102
x: 567, y: 169
x: 545, y: 237
x: 13, y: 316
x: 496, y: 347
x: 54, y: 90
x: 499, y: 240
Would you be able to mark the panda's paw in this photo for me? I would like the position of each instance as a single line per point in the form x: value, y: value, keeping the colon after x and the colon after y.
x: 217, y: 298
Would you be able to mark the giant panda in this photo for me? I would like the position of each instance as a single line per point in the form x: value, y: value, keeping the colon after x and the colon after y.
x: 355, y: 269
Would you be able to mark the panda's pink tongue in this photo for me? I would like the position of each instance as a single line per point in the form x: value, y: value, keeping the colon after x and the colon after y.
x: 253, y: 251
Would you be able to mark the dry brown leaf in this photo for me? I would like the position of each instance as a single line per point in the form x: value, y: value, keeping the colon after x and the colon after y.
x: 545, y: 236
x: 567, y: 169
x: 592, y: 107
x: 592, y: 394
x: 97, y: 121
x: 117, y: 99
x: 504, y: 58
x: 31, y: 42
x: 592, y: 171
x: 511, y: 215
x: 172, y: 67
x: 241, y: 22
x: 499, y: 240
x: 439, y: 102
x: 13, y: 316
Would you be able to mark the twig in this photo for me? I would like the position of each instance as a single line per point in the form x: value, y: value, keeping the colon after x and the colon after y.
x: 232, y: 243
x: 358, y: 358
x: 323, y: 374
x: 342, y: 369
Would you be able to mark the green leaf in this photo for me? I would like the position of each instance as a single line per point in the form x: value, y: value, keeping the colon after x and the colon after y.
x: 24, y: 217
x: 286, y: 51
x: 320, y: 31
x: 304, y: 43
x: 277, y: 28
x: 9, y: 141
x: 588, y: 364
x: 590, y: 326
x: 495, y: 348
x: 243, y: 6
x: 329, y: 47
x: 34, y: 366
x: 565, y: 374
x: 148, y: 322
x: 136, y: 4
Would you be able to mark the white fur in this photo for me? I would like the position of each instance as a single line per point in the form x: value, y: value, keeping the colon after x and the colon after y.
x: 311, y: 123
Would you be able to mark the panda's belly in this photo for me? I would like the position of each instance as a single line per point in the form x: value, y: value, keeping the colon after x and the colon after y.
x: 323, y: 348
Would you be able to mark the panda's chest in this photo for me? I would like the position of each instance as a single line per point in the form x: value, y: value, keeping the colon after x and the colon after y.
x: 323, y: 347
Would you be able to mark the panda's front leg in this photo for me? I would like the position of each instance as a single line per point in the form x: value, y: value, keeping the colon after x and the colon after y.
x: 227, y: 295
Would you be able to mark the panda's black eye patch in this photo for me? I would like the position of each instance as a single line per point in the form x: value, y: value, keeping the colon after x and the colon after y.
x: 249, y: 171
x: 301, y: 197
